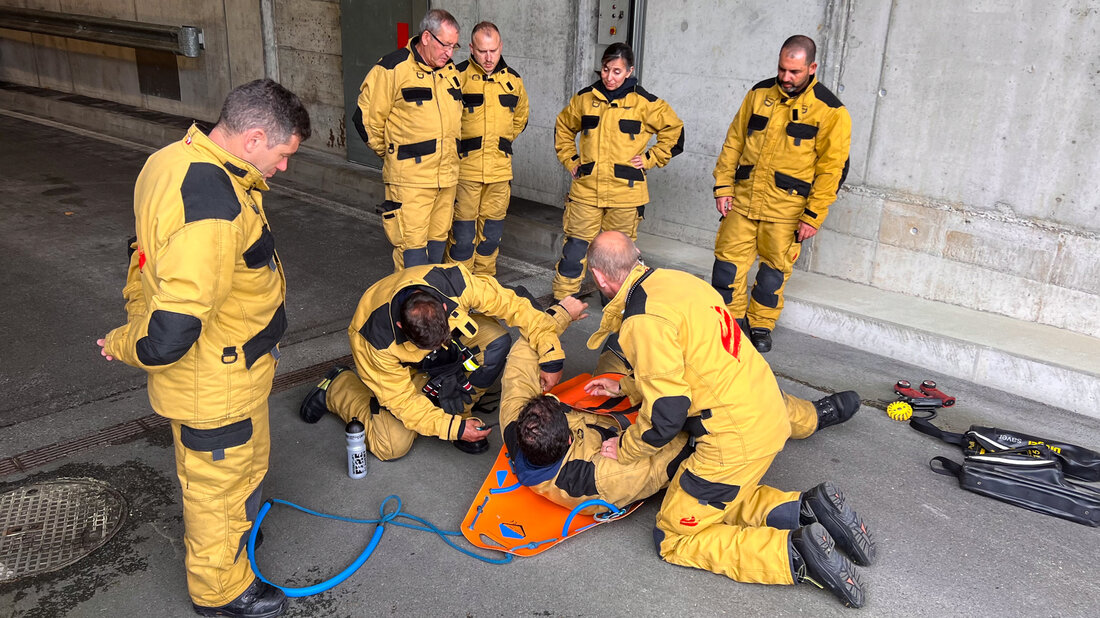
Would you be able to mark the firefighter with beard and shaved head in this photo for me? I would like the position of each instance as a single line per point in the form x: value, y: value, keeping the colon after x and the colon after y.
x: 204, y: 306
x: 780, y: 168
x: 693, y: 371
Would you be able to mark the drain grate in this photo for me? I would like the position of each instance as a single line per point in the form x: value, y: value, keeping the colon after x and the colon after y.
x: 49, y: 525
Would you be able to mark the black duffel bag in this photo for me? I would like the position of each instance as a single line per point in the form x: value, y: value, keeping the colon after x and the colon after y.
x: 1030, y: 477
x: 1076, y: 462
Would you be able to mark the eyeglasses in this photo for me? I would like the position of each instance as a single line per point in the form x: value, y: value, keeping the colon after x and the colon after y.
x: 453, y: 48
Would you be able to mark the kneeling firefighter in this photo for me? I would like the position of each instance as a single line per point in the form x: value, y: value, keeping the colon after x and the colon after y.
x: 423, y: 357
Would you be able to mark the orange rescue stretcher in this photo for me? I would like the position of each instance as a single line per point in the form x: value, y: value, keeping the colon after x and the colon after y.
x: 507, y: 516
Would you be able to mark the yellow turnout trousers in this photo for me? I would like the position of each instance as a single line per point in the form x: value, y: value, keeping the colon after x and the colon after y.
x: 739, y: 241
x: 582, y: 223
x: 416, y: 221
x: 478, y: 224
x: 221, y: 467
x: 729, y: 524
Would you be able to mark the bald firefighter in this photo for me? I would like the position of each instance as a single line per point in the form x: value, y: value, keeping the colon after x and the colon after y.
x: 555, y: 450
x: 408, y: 113
x: 204, y: 307
x: 494, y: 113
x: 693, y: 370
x: 783, y: 161
x: 427, y: 342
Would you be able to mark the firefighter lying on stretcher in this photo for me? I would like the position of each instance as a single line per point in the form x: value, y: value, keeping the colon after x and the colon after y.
x: 555, y: 450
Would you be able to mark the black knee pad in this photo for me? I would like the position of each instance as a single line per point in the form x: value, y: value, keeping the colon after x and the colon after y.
x: 435, y: 251
x: 492, y: 230
x: 721, y: 277
x: 496, y: 353
x: 768, y: 282
x: 784, y: 517
x: 415, y: 257
x: 571, y: 255
x: 463, y: 247
x: 658, y: 538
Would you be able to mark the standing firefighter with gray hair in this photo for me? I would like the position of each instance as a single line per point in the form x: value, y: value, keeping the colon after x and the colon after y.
x: 204, y: 306
x: 784, y: 159
x: 409, y: 114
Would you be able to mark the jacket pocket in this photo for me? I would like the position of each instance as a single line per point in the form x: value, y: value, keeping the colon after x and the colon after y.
x: 509, y: 100
x: 629, y: 173
x: 505, y: 145
x: 265, y: 340
x: 589, y: 122
x: 585, y: 168
x: 630, y: 127
x: 262, y: 251
x: 416, y: 95
x: 792, y: 185
x: 416, y: 151
x: 742, y: 172
x: 472, y: 100
x: 800, y: 131
x: 757, y: 123
x: 218, y: 438
x: 468, y: 145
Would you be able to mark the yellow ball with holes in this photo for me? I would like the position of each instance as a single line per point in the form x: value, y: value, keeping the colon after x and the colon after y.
x: 899, y: 411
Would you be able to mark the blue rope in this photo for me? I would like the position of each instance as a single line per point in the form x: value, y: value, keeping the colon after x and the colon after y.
x: 385, y: 518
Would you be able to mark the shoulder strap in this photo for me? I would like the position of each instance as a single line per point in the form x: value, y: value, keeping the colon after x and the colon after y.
x: 926, y: 427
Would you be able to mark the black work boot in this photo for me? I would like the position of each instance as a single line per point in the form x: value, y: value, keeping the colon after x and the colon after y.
x: 744, y: 324
x: 835, y: 409
x: 472, y: 448
x: 825, y: 504
x: 260, y: 600
x: 761, y: 339
x: 314, y: 406
x: 814, y: 559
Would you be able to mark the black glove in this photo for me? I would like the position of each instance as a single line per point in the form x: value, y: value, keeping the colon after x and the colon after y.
x: 454, y: 391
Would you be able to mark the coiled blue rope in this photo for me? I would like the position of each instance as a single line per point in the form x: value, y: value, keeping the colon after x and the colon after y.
x: 385, y: 518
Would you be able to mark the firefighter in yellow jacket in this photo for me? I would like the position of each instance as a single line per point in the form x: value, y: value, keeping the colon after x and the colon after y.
x: 615, y: 118
x: 694, y: 371
x: 204, y: 306
x: 427, y: 343
x: 784, y: 159
x: 556, y: 450
x: 494, y: 113
x: 409, y: 114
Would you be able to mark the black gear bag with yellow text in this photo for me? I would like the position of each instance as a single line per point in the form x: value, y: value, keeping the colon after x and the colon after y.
x: 1023, y: 470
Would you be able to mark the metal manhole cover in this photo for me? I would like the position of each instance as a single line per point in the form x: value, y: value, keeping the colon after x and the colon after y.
x: 49, y: 525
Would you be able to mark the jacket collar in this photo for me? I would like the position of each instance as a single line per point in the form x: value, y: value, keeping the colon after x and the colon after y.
x: 626, y: 88
x: 783, y: 98
x: 424, y: 66
x: 243, y: 172
x: 501, y: 65
x: 613, y: 312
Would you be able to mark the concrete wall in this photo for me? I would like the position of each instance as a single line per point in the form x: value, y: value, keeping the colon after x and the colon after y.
x: 972, y: 150
x: 233, y: 54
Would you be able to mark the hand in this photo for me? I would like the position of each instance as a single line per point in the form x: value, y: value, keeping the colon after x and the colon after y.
x: 805, y: 231
x: 549, y: 380
x: 723, y: 204
x: 610, y: 448
x: 575, y: 307
x: 573, y: 172
x: 102, y: 343
x: 638, y: 161
x: 603, y: 387
x: 472, y: 433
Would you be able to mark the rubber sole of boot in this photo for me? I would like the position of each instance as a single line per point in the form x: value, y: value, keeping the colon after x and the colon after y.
x: 218, y: 611
x: 843, y: 523
x: 827, y: 568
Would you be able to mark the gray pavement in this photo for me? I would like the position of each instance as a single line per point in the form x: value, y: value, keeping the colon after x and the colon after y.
x: 65, y: 207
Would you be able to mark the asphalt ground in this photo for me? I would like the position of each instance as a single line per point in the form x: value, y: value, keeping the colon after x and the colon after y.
x: 66, y: 212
